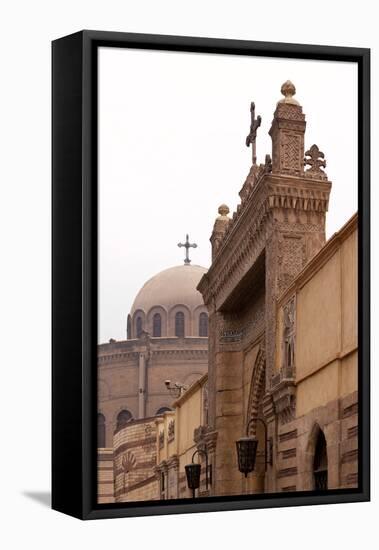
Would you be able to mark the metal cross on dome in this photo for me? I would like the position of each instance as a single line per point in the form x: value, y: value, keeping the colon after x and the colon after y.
x: 187, y: 246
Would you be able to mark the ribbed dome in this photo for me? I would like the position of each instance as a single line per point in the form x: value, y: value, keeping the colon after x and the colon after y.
x: 173, y: 286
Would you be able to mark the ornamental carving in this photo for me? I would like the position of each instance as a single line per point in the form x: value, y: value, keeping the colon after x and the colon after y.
x: 290, y: 152
x: 289, y: 330
x: 291, y: 258
x: 315, y: 159
x: 257, y: 386
x: 171, y: 430
x: 128, y: 462
x: 289, y: 112
x: 205, y: 404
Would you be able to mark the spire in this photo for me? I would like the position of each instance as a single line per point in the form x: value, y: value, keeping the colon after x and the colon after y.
x: 287, y: 133
x: 187, y: 245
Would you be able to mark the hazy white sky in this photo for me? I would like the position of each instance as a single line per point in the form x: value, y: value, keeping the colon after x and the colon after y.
x: 172, y: 129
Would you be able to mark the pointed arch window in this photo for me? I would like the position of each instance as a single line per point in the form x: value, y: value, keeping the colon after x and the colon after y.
x: 320, y: 464
x: 179, y: 324
x: 157, y: 325
x: 203, y: 324
x: 123, y: 418
x: 100, y: 430
x: 139, y: 327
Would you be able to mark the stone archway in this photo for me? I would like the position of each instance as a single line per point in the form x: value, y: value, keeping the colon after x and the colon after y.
x: 316, y: 433
x: 257, y: 386
x: 256, y: 483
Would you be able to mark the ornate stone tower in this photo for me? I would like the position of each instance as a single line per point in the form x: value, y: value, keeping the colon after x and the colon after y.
x: 277, y: 228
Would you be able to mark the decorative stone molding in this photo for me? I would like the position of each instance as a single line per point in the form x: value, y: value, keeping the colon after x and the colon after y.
x: 266, y: 209
x: 268, y: 407
x: 283, y: 392
x: 173, y: 462
x: 171, y: 430
x: 199, y: 436
x: 257, y: 386
x: 205, y: 404
x: 289, y: 336
x: 205, y: 438
x: 211, y: 440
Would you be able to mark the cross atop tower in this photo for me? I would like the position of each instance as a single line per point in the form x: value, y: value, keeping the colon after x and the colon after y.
x: 252, y: 137
x: 187, y: 246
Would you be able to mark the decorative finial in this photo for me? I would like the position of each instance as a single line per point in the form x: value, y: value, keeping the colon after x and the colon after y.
x: 252, y: 136
x: 316, y: 162
x: 223, y: 210
x: 187, y: 246
x: 288, y: 90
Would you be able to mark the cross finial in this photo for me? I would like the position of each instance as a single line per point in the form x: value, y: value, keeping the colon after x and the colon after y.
x: 252, y: 137
x: 187, y: 246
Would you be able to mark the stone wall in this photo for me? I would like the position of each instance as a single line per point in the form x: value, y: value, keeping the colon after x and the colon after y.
x: 181, y: 360
x: 135, y: 453
x: 105, y: 476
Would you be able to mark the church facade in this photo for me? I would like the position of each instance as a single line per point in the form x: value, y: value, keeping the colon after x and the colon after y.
x: 282, y: 346
x: 166, y: 350
x: 282, y: 304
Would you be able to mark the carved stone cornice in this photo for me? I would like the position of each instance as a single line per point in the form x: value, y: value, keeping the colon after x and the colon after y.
x: 161, y: 468
x: 211, y: 440
x: 283, y: 392
x: 205, y: 438
x: 173, y: 462
x: 247, y: 233
x: 268, y: 407
x: 198, y: 435
x: 298, y: 193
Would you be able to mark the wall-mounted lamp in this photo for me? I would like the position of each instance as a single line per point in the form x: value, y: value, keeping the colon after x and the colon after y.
x: 193, y: 472
x: 247, y: 449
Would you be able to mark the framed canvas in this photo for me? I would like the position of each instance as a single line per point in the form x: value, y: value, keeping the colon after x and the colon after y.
x: 211, y: 281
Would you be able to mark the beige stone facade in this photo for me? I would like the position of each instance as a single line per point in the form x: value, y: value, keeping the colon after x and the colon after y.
x: 283, y: 324
x: 166, y: 340
x: 179, y: 436
x: 282, y: 344
x: 132, y: 372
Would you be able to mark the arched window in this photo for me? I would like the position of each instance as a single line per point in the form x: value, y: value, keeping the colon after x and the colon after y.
x: 179, y: 324
x: 320, y: 464
x: 162, y: 410
x: 139, y: 327
x: 157, y: 325
x: 100, y: 430
x: 129, y: 328
x: 203, y: 324
x: 123, y: 418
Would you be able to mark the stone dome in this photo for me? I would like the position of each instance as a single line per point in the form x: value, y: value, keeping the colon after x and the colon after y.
x: 167, y: 293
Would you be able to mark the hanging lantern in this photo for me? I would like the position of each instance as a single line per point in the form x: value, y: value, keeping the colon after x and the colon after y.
x: 193, y: 472
x: 246, y: 453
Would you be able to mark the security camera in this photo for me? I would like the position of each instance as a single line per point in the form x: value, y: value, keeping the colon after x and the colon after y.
x: 167, y: 383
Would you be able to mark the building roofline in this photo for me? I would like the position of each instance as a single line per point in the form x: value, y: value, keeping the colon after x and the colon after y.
x: 321, y: 258
x: 191, y: 390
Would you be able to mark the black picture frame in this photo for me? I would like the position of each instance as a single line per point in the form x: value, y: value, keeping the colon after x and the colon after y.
x: 74, y: 270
